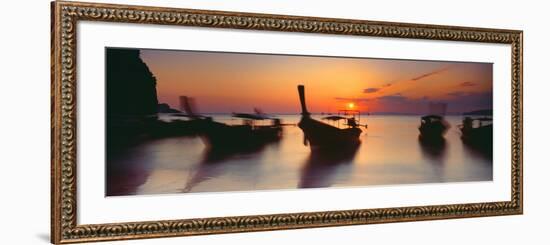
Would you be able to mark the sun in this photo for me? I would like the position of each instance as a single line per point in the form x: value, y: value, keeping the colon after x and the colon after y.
x: 351, y: 105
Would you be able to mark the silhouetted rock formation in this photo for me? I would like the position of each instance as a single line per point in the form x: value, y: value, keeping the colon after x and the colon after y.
x: 131, y: 87
x: 131, y: 98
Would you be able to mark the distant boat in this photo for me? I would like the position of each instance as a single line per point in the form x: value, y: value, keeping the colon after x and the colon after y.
x: 432, y: 128
x: 322, y: 135
x: 185, y: 124
x: 249, y: 135
x: 477, y: 132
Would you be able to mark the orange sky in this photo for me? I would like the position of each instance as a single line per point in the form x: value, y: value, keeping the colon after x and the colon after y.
x: 236, y: 82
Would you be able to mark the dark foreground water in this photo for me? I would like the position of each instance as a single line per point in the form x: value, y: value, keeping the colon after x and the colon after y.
x: 390, y: 154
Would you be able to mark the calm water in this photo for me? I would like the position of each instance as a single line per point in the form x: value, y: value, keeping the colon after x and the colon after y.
x: 390, y: 154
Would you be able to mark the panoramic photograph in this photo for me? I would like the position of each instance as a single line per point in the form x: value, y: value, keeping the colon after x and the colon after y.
x: 182, y: 121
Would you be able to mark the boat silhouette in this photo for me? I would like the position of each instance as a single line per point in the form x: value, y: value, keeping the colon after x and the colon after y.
x: 478, y: 133
x: 322, y: 135
x: 432, y: 128
x: 248, y: 135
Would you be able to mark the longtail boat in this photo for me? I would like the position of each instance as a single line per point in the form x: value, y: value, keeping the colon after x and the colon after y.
x: 250, y: 134
x: 322, y: 135
x: 478, y: 132
x: 432, y: 128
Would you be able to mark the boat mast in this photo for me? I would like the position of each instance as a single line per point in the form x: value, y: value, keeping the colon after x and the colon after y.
x: 301, y: 92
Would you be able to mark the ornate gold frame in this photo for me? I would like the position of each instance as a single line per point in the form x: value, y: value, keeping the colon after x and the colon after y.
x: 65, y: 15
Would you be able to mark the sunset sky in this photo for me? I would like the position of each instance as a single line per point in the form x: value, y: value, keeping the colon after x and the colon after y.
x: 236, y: 82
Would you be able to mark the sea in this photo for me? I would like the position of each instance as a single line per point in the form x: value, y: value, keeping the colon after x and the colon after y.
x: 390, y: 153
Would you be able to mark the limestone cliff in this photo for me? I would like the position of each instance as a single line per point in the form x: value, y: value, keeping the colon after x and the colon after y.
x: 130, y: 85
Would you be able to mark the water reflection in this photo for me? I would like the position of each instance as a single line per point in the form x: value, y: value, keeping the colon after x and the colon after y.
x: 126, y: 173
x: 433, y: 149
x: 390, y: 154
x: 216, y: 161
x: 322, y: 166
x: 483, y: 152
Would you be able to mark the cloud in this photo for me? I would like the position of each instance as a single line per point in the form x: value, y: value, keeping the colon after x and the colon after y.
x: 467, y: 84
x: 459, y: 94
x: 457, y: 101
x: 393, y: 98
x: 370, y: 90
x: 469, y: 101
x: 351, y: 99
x: 374, y: 90
x: 430, y: 74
